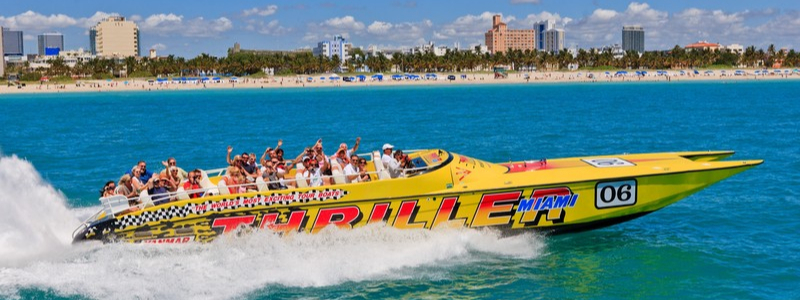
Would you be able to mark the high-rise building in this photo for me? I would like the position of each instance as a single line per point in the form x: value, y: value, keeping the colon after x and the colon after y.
x: 554, y: 40
x: 12, y: 43
x: 93, y: 41
x: 50, y: 43
x: 338, y: 46
x: 501, y: 39
x: 2, y: 60
x: 633, y: 38
x: 115, y: 37
x: 540, y: 29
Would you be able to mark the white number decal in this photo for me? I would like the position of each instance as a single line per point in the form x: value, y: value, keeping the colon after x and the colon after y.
x: 608, y: 162
x: 615, y: 194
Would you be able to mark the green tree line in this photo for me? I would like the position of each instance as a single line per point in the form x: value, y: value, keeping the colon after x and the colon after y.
x: 240, y: 64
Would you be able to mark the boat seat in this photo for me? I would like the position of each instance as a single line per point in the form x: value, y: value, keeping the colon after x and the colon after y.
x: 336, y: 170
x: 261, y: 184
x: 206, y: 184
x: 382, y: 172
x: 145, y: 199
x: 181, y: 193
x: 223, y: 188
x: 299, y: 179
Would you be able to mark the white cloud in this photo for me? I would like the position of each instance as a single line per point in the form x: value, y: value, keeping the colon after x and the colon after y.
x: 159, y: 47
x: 172, y: 24
x: 94, y: 19
x: 343, y: 26
x: 545, y: 15
x: 267, y: 28
x: 344, y: 23
x: 469, y: 26
x: 34, y: 21
x: 378, y: 27
x: 265, y: 11
x: 406, y: 32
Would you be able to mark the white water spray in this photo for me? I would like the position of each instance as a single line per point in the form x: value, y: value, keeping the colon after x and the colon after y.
x: 34, y: 219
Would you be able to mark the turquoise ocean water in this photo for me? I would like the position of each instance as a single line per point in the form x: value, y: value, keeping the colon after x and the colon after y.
x: 736, y: 239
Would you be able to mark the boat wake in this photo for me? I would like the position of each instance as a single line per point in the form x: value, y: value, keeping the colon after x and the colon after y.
x: 35, y: 253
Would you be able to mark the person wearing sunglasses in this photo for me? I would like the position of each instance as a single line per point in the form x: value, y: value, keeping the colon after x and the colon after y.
x: 363, y: 176
x: 351, y: 170
x: 172, y: 163
x: 109, y: 189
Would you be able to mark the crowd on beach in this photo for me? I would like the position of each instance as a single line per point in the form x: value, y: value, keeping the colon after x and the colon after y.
x: 313, y: 169
x: 407, y: 79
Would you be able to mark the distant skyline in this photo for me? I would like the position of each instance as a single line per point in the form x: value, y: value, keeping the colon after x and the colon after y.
x: 204, y: 26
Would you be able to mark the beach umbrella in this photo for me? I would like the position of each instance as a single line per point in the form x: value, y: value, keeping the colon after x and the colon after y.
x: 696, y: 72
x: 397, y: 77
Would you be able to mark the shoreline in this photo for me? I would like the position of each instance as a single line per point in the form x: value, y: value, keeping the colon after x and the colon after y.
x: 294, y: 82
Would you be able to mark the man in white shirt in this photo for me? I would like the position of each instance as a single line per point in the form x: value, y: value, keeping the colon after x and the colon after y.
x: 312, y: 173
x: 389, y: 163
x: 351, y: 170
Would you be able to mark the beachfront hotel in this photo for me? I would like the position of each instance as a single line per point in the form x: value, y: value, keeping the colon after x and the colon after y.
x: 500, y: 38
x: 338, y: 46
x: 50, y: 44
x: 115, y: 37
x: 633, y: 38
x: 554, y: 40
x: 541, y: 28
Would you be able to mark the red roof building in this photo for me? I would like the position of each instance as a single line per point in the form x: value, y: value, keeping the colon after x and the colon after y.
x: 702, y: 45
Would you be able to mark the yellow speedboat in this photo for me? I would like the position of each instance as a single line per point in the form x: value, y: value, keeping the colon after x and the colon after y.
x: 444, y: 189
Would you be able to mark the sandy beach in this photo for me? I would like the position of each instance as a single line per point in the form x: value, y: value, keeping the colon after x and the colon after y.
x: 143, y: 84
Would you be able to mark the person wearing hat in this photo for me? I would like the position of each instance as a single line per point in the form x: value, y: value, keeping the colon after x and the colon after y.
x: 389, y: 163
x: 158, y: 190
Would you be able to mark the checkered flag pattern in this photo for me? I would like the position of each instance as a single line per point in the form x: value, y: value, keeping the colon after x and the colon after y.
x: 167, y: 213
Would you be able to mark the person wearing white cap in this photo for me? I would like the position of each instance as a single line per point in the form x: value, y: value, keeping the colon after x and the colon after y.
x: 389, y: 163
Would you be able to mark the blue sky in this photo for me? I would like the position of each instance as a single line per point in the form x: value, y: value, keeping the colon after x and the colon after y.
x: 190, y: 28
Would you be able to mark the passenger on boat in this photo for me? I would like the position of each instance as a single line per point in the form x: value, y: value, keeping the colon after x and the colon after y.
x: 249, y: 170
x: 125, y: 187
x: 145, y: 174
x: 138, y: 184
x: 173, y: 179
x: 235, y: 181
x: 363, y: 175
x: 342, y: 155
x: 172, y: 163
x: 270, y: 176
x: 158, y: 190
x: 280, y: 172
x: 312, y: 173
x: 279, y: 154
x: 389, y: 163
x: 403, y: 159
x: 271, y: 153
x: 108, y: 189
x: 351, y: 171
x: 193, y: 184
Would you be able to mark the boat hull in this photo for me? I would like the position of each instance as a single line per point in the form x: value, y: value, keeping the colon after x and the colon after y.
x: 554, y: 208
